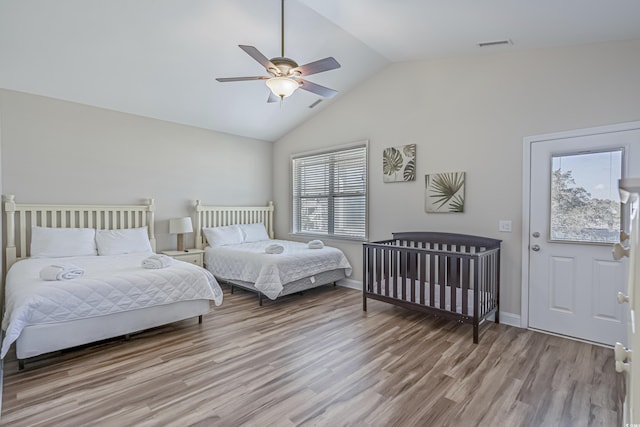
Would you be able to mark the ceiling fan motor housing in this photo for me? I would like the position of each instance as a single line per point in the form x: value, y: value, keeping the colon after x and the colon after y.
x: 284, y: 67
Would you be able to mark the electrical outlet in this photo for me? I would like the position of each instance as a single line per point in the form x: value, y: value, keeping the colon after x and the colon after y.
x: 504, y: 225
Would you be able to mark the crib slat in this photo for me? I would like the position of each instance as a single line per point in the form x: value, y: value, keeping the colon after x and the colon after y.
x: 465, y: 285
x: 386, y: 259
x: 403, y: 274
x: 394, y: 272
x: 377, y: 270
x: 442, y: 280
x: 422, y: 276
x: 453, y: 281
x: 413, y: 274
x: 371, y: 270
x: 432, y: 280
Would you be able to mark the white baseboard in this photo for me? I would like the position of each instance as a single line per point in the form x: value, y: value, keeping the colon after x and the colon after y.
x: 505, y: 318
x: 350, y: 283
x: 508, y: 319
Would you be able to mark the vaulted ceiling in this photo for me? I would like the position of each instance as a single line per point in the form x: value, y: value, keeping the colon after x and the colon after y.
x: 160, y: 58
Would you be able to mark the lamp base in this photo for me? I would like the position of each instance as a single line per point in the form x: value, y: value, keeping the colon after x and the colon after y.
x: 181, y: 242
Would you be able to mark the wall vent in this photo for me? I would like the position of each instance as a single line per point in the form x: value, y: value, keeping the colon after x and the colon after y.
x: 494, y: 43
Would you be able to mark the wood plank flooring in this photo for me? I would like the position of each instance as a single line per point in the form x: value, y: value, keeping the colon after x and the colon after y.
x: 317, y: 360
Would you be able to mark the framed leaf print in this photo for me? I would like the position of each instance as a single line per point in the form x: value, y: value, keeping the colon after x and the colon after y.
x: 444, y: 192
x: 399, y: 163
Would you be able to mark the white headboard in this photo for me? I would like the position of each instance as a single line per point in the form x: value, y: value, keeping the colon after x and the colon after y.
x: 21, y: 217
x: 218, y: 216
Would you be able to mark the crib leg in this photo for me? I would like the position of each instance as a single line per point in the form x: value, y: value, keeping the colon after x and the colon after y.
x: 200, y: 319
x: 497, y: 317
x: 20, y: 364
x: 364, y: 302
x: 475, y: 333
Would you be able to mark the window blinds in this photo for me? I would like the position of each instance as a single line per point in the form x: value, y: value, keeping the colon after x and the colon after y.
x: 330, y: 193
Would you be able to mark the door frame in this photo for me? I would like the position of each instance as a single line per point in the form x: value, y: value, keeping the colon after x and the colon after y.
x: 526, y: 196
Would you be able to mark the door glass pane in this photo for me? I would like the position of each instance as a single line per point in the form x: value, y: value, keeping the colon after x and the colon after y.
x: 585, y: 203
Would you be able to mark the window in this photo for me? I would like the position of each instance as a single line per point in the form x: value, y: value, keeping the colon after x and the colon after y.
x: 330, y: 193
x: 585, y: 204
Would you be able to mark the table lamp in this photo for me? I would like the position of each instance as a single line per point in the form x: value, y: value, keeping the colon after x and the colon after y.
x: 180, y: 226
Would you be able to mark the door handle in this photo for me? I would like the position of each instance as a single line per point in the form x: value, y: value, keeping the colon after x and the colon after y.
x: 535, y: 248
x: 622, y: 298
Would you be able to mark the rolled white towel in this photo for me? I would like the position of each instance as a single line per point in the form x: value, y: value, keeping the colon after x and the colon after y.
x: 61, y: 272
x: 316, y: 244
x: 157, y: 261
x: 274, y: 248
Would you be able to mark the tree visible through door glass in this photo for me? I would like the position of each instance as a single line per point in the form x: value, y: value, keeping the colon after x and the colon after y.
x: 585, y: 203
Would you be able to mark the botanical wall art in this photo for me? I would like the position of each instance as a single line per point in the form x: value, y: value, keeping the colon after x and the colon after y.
x: 444, y: 192
x: 399, y: 163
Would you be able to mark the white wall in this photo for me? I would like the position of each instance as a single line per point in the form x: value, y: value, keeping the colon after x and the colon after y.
x: 467, y: 114
x: 61, y: 152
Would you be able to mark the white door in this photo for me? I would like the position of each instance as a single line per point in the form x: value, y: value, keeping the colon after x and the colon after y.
x: 573, y: 223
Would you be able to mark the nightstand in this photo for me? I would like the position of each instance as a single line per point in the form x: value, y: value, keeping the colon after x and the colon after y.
x: 194, y: 256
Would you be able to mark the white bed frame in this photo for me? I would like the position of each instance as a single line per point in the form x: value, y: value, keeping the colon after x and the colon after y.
x: 219, y: 216
x: 39, y: 339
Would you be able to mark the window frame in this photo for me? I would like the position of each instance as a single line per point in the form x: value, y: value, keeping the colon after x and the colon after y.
x: 328, y: 150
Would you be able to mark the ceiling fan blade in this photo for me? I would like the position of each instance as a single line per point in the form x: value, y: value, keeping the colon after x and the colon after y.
x: 241, y: 79
x: 317, y: 89
x: 319, y: 66
x: 272, y: 98
x: 258, y: 56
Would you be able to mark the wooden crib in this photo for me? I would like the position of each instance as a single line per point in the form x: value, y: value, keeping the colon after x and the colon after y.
x: 456, y: 276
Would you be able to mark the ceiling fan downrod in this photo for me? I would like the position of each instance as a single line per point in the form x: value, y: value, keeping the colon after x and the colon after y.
x: 282, y: 27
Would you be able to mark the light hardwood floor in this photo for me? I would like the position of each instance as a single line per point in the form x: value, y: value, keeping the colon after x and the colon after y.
x: 317, y: 360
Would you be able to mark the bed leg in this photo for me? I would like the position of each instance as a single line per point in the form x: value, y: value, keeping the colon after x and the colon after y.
x: 20, y: 364
x: 475, y: 333
x: 200, y: 319
x: 497, y: 316
x: 364, y: 302
x: 260, y: 299
x: 231, y: 289
x: 127, y: 337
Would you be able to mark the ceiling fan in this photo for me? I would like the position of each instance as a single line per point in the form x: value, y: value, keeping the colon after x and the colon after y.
x: 285, y: 75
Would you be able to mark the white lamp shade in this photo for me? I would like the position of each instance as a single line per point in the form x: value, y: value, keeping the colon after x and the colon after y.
x: 282, y: 86
x: 180, y: 225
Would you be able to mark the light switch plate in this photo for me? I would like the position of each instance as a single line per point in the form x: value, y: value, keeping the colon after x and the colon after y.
x: 504, y: 225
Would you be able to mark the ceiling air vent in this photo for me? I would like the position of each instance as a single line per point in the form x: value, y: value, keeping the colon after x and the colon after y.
x: 494, y: 43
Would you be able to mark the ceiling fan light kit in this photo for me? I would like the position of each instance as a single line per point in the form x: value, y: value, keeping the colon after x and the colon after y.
x: 282, y: 86
x: 285, y: 75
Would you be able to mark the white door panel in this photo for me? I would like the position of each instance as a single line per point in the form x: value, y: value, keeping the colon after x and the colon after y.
x: 573, y: 279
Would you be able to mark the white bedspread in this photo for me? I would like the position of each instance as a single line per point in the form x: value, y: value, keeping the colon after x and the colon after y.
x: 111, y: 284
x: 269, y: 272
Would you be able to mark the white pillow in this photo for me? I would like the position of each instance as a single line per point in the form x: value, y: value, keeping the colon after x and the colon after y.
x: 123, y: 241
x: 221, y: 236
x: 62, y: 242
x: 254, y: 232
